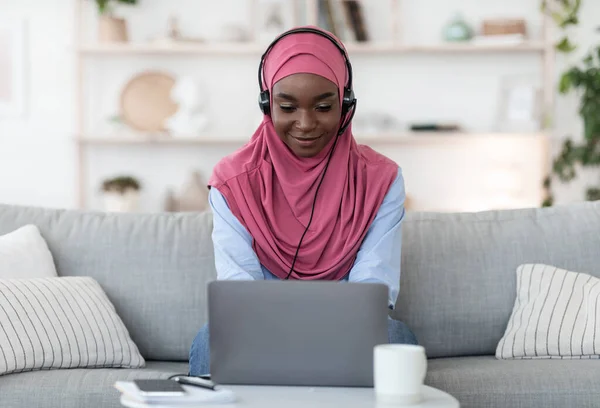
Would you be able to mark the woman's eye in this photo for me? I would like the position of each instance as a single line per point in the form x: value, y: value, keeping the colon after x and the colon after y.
x: 286, y: 108
x: 324, y: 108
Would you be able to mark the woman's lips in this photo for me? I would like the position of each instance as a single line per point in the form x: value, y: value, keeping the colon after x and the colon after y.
x: 306, y: 141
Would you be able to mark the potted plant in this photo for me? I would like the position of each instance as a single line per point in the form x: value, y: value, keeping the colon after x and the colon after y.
x: 110, y: 27
x: 583, y: 78
x: 121, y: 194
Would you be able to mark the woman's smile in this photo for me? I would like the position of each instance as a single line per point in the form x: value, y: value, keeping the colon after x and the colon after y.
x: 306, y: 141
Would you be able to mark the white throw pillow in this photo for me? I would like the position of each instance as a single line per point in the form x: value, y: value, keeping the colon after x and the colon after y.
x: 61, y: 322
x: 25, y: 254
x: 554, y: 315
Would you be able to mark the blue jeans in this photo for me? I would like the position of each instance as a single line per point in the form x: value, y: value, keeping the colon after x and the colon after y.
x: 398, y: 333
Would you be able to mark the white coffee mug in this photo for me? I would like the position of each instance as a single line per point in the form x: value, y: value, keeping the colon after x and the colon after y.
x: 399, y: 373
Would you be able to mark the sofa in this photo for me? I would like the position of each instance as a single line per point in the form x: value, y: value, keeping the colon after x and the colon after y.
x: 457, y: 293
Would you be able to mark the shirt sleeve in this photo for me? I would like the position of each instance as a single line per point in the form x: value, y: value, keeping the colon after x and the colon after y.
x: 235, y: 258
x: 379, y: 257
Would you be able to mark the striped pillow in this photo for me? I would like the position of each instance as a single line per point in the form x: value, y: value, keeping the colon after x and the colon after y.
x: 554, y: 316
x: 61, y: 322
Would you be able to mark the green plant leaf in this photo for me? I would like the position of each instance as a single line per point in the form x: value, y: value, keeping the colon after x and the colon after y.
x: 565, y: 45
x: 102, y: 6
x: 591, y: 124
x: 121, y: 184
x: 557, y: 17
x: 548, y: 181
x: 577, y: 77
x: 565, y: 83
x: 569, y: 20
x: 592, y: 194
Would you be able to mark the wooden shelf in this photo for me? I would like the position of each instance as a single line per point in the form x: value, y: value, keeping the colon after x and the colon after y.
x: 400, y: 138
x: 258, y: 49
x: 142, y: 48
x: 440, y: 137
x: 89, y: 51
x: 475, y: 48
x: 130, y: 140
x: 445, y: 48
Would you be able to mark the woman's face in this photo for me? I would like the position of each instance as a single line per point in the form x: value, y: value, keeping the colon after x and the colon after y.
x: 306, y: 112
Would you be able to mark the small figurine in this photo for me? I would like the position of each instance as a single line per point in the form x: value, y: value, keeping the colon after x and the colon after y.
x: 188, y: 121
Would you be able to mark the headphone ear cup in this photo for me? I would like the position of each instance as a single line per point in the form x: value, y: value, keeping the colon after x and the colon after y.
x: 264, y: 102
x: 349, y: 101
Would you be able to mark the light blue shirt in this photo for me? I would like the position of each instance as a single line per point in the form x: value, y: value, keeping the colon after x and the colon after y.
x: 377, y: 261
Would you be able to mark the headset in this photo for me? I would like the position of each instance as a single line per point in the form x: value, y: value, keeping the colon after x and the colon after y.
x: 348, y: 106
x: 348, y: 100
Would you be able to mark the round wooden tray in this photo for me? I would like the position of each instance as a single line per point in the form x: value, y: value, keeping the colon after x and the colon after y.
x: 146, y: 101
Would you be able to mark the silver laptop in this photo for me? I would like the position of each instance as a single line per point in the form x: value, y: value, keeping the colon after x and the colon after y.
x: 310, y: 333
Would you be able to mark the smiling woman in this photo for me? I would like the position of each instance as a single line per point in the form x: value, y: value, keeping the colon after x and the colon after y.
x: 305, y: 117
x: 302, y: 200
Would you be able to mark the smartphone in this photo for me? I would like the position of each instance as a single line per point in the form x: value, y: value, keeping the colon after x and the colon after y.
x: 196, y: 381
x: 159, y: 388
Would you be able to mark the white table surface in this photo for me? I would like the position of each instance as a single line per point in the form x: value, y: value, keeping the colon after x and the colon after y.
x: 313, y: 397
x: 318, y: 397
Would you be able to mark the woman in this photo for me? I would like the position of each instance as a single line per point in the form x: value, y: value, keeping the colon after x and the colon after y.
x: 269, y: 221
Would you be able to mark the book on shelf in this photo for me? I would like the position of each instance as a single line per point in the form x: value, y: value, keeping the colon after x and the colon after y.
x: 345, y: 19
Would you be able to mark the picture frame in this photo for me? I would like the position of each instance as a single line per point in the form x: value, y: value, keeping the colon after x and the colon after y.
x: 12, y: 67
x: 520, y: 104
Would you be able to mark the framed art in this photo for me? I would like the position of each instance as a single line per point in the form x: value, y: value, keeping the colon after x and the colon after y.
x: 12, y: 67
x: 520, y: 104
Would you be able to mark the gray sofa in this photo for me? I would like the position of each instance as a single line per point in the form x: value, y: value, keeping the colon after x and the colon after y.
x: 457, y: 293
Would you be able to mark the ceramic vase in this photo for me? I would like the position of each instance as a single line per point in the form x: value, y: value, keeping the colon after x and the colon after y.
x: 112, y: 29
x: 127, y: 201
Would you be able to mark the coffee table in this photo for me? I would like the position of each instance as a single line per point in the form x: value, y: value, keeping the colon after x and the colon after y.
x: 313, y: 397
x: 318, y: 397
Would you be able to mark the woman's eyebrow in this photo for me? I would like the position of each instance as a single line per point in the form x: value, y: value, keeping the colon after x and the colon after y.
x: 289, y: 97
x: 324, y: 96
x: 283, y: 95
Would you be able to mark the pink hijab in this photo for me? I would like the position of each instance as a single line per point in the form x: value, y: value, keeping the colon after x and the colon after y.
x: 271, y: 191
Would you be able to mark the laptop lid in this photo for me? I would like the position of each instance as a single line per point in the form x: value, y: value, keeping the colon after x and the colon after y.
x: 311, y: 333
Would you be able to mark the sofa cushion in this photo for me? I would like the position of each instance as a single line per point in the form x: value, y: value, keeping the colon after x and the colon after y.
x: 458, y: 282
x: 25, y: 254
x: 555, y: 315
x: 61, y: 323
x: 485, y: 382
x: 153, y: 267
x: 77, y: 387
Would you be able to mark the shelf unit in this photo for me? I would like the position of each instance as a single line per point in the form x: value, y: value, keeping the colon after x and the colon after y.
x: 253, y: 49
x: 391, y: 138
x: 543, y: 48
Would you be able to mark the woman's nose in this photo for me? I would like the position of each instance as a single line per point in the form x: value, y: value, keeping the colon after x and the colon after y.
x: 306, y: 120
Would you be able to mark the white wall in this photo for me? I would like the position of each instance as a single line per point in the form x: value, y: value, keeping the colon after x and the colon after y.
x: 38, y: 157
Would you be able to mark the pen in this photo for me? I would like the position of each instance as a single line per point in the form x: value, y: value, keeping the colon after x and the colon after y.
x: 196, y: 383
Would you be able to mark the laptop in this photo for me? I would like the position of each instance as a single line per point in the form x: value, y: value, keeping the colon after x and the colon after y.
x: 295, y: 333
